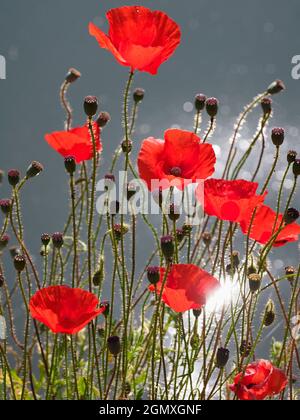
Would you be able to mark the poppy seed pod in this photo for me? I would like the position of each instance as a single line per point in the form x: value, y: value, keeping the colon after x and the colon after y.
x: 276, y: 87
x: 45, y: 239
x: 266, y: 104
x: 180, y: 235
x: 70, y: 164
x: 4, y: 242
x: 269, y: 315
x: 222, y: 357
x: 114, y: 345
x: 254, y: 282
x: 2, y: 280
x: 290, y: 216
x: 291, y: 156
x: 90, y: 106
x: 153, y: 275
x: 138, y: 95
x: 19, y: 262
x: 72, y: 75
x: 200, y: 100
x: 34, y: 169
x: 103, y: 119
x: 13, y: 177
x: 105, y: 305
x: 167, y: 246
x: 126, y: 146
x: 277, y: 136
x: 6, y: 206
x: 296, y: 167
x: 57, y: 240
x: 197, y: 312
x: 212, y: 106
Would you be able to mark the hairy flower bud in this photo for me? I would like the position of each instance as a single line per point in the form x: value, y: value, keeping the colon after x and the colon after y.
x: 291, y: 156
x: 138, y: 95
x: 277, y: 136
x: 13, y: 176
x: 120, y: 231
x: 276, y: 87
x: 4, y: 242
x: 266, y: 104
x: 222, y: 357
x: 34, y: 169
x: 269, y: 315
x: 126, y: 146
x: 296, y: 167
x: 57, y: 240
x: 72, y: 75
x: 114, y: 345
x: 19, y: 262
x: 212, y: 106
x: 153, y: 275
x: 180, y: 235
x: 200, y: 101
x: 90, y: 106
x: 45, y: 239
x: 254, y: 282
x: 6, y: 206
x: 195, y: 341
x: 103, y: 119
x: 167, y: 246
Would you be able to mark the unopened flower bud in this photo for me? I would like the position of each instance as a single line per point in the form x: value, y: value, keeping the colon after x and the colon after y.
x: 277, y: 136
x: 45, y: 239
x: 105, y: 305
x: 290, y: 216
x: 290, y: 273
x: 276, y: 87
x: 2, y: 280
x: 138, y: 95
x: 6, y: 206
x: 291, y: 156
x: 70, y: 164
x: 180, y: 235
x: 57, y: 240
x: 254, y: 282
x: 187, y: 229
x: 119, y: 231
x: 4, y: 242
x: 34, y: 169
x: 174, y: 213
x: 212, y: 106
x: 296, y: 167
x: 251, y: 270
x: 19, y: 262
x: 90, y: 106
x: 13, y: 177
x: 167, y: 246
x: 195, y: 341
x: 126, y: 146
x: 245, y: 348
x: 72, y: 75
x: 222, y: 357
x: 235, y: 258
x: 230, y: 269
x: 200, y: 101
x: 153, y: 275
x: 266, y: 104
x: 206, y: 237
x: 114, y: 345
x: 103, y: 119
x: 269, y: 315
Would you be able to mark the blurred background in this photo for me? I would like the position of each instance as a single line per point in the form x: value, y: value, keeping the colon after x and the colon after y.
x: 231, y: 50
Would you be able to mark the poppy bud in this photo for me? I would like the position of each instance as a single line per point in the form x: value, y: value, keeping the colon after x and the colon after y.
x: 57, y: 240
x: 187, y: 229
x: 269, y: 315
x: 290, y: 216
x: 276, y: 87
x: 296, y: 167
x: 114, y: 345
x: 235, y: 258
x: 14, y: 250
x: 153, y: 275
x: 251, y: 270
x: 90, y: 106
x: 197, y: 312
x: 291, y: 156
x: 200, y: 100
x: 2, y: 280
x: 126, y: 146
x: 34, y: 169
x: 119, y: 232
x: 277, y: 136
x: 1, y: 176
x: 206, y: 237
x: 72, y: 75
x: 106, y: 307
x: 138, y: 95
x: 131, y: 190
x: 45, y: 239
x: 103, y: 119
x: 179, y: 235
x: 97, y: 278
x: 266, y: 104
x: 167, y: 246
x: 6, y: 206
x: 222, y: 357
x: 4, y: 242
x: 13, y: 177
x: 254, y: 282
x: 245, y: 348
x: 174, y: 213
x: 230, y: 269
x: 195, y: 341
x: 19, y: 262
x: 70, y: 164
x: 212, y: 106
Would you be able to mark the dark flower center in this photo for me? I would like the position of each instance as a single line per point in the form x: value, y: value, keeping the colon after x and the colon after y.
x: 176, y: 171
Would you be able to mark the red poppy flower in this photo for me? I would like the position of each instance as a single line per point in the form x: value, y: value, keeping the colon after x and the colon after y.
x: 260, y: 380
x: 77, y: 142
x: 179, y: 160
x: 138, y: 37
x: 186, y: 287
x: 229, y: 200
x: 263, y: 226
x: 63, y: 309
